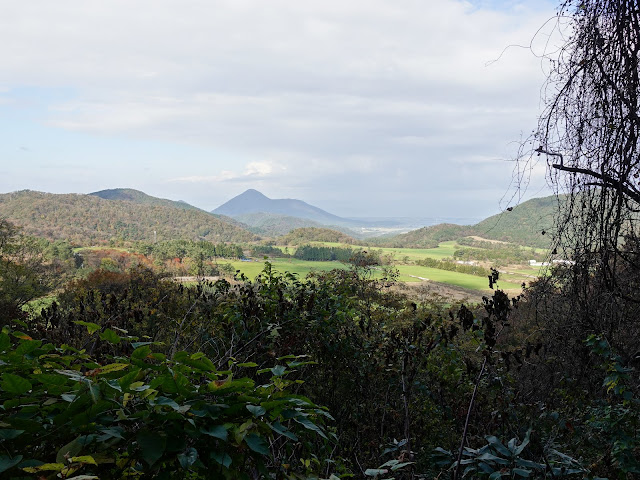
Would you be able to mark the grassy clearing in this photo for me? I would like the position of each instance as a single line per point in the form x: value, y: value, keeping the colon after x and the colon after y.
x: 452, y: 278
x: 300, y: 267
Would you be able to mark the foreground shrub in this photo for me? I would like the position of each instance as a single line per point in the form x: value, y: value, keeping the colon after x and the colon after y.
x: 66, y: 416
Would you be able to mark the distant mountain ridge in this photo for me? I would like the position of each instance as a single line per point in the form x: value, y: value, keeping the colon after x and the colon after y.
x: 252, y: 201
x: 136, y: 196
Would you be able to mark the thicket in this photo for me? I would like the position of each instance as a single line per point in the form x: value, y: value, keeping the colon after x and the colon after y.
x: 454, y: 267
x: 498, y: 254
x: 323, y: 254
x: 127, y: 374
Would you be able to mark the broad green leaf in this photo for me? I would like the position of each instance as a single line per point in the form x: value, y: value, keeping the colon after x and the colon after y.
x: 45, y: 467
x: 257, y: 444
x: 217, y: 431
x: 165, y: 401
x: 110, y: 336
x: 71, y: 449
x: 308, y: 424
x: 15, y: 384
x: 86, y: 459
x: 28, y: 346
x: 282, y: 430
x: 222, y: 458
x: 91, y: 327
x: 8, y: 434
x: 278, y: 370
x: 492, y: 458
x: 112, y: 367
x: 151, y: 445
x: 51, y: 379
x: 495, y: 443
x: 247, y: 364
x: 496, y: 475
x: 256, y: 410
x: 5, y: 342
x: 7, y: 462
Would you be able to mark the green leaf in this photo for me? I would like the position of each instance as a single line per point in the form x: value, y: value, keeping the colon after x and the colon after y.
x: 8, y: 434
x: 247, y: 364
x: 152, y: 446
x: 45, y: 467
x: 487, y: 457
x: 495, y: 443
x: 5, y: 343
x: 256, y: 410
x: 188, y: 458
x: 7, y: 462
x: 217, y: 431
x: 15, y: 384
x: 112, y: 367
x: 278, y: 370
x: 222, y: 458
x: 51, y: 379
x: 91, y: 327
x: 257, y: 444
x: 495, y: 475
x: 110, y: 336
x: 71, y: 449
x: 281, y: 430
x: 86, y: 459
x: 308, y: 424
x: 165, y: 401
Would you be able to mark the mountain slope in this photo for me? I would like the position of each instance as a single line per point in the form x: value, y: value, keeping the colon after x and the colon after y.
x: 523, y: 225
x: 136, y: 196
x: 253, y: 201
x: 90, y: 220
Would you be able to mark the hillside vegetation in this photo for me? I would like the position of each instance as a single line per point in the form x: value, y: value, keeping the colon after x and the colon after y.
x: 300, y: 236
x: 527, y: 224
x: 136, y: 196
x: 90, y: 220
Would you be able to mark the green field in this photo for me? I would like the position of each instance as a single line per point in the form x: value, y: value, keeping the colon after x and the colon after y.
x: 300, y: 267
x: 408, y: 273
x: 402, y: 259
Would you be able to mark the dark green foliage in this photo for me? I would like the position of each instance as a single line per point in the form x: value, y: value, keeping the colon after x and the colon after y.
x: 323, y: 254
x: 180, y: 249
x: 497, y: 253
x: 144, y: 414
x: 453, y: 266
x: 268, y: 250
x: 314, y: 234
x: 25, y: 273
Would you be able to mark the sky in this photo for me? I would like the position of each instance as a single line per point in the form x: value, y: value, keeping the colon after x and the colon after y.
x: 360, y: 107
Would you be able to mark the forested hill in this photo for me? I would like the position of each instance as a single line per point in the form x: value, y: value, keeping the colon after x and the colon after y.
x: 90, y: 220
x: 523, y: 225
x: 136, y: 196
x: 314, y: 234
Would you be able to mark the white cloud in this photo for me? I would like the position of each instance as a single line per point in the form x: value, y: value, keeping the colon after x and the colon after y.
x: 318, y: 89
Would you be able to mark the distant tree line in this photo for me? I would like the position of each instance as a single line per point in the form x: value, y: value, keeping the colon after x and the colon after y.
x: 323, y: 254
x: 185, y: 248
x: 454, y: 267
x: 497, y: 253
x: 269, y: 251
